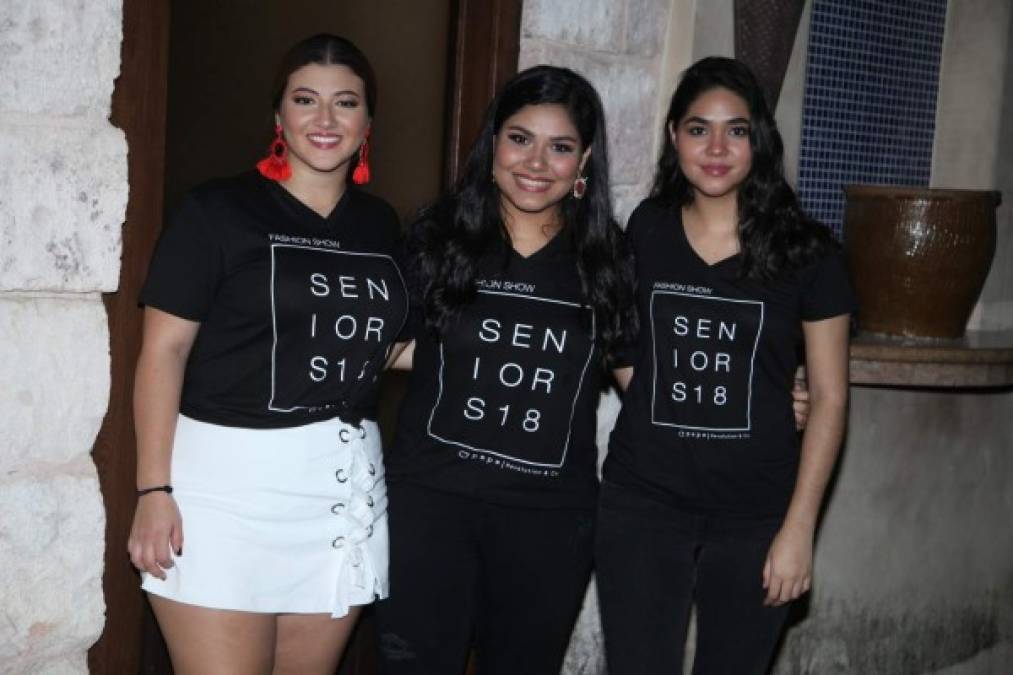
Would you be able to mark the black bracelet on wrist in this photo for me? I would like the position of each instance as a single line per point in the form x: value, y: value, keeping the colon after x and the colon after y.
x: 158, y: 488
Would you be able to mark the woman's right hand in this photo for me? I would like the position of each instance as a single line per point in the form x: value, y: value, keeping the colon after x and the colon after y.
x: 156, y: 534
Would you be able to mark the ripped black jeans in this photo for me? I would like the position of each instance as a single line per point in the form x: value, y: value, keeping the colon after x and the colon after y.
x: 463, y: 572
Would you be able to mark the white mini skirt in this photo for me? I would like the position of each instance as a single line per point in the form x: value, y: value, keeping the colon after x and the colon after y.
x: 278, y: 520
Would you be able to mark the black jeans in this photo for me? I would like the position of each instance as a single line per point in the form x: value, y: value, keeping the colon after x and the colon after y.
x: 510, y: 579
x: 653, y: 561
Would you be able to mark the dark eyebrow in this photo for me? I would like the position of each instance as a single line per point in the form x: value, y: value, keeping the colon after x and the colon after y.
x: 700, y: 120
x: 343, y: 92
x: 528, y: 132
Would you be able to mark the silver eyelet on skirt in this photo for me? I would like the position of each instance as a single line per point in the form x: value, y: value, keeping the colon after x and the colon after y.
x: 338, y: 542
x: 340, y: 476
x: 337, y: 507
x: 344, y: 435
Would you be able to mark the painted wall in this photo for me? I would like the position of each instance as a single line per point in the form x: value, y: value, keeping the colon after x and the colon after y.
x: 972, y: 130
x: 63, y: 191
x: 995, y: 310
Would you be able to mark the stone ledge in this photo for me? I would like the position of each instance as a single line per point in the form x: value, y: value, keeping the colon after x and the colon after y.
x: 979, y: 359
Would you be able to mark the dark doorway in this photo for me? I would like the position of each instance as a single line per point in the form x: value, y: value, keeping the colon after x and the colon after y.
x: 193, y: 101
x: 221, y: 62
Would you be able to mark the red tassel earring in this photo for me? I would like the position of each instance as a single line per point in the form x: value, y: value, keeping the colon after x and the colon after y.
x: 275, y: 166
x: 360, y: 175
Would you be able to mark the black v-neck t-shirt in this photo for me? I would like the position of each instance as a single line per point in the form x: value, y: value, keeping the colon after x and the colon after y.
x: 297, y: 312
x: 707, y: 420
x: 502, y: 407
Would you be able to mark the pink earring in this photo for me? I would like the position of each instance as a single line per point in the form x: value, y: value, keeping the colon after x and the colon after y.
x: 579, y: 187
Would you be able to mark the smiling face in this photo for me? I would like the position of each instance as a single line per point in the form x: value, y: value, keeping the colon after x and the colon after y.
x: 713, y: 144
x: 324, y: 118
x: 538, y: 156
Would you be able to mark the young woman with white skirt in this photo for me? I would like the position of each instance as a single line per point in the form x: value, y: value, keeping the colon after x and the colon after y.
x: 272, y: 303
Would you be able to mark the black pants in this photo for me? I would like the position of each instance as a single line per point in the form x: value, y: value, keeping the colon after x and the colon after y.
x: 653, y: 561
x: 510, y: 579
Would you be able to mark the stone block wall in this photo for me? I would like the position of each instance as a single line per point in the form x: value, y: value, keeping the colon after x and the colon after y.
x: 63, y: 191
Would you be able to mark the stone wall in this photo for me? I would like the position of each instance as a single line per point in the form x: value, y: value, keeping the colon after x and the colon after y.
x: 63, y: 190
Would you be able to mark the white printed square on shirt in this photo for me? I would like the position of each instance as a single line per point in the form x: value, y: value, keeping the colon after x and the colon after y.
x: 510, y: 376
x: 704, y: 358
x: 334, y: 314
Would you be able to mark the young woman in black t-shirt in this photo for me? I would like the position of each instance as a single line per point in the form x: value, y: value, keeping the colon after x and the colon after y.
x: 272, y: 303
x: 708, y: 498
x: 525, y: 285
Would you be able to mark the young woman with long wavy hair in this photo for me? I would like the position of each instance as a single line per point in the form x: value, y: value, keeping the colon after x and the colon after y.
x: 524, y: 287
x: 708, y: 497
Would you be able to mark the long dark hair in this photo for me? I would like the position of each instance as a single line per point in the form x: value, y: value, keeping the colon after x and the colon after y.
x: 776, y: 236
x: 326, y: 50
x: 467, y: 223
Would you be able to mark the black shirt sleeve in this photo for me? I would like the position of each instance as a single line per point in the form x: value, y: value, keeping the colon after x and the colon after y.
x: 186, y: 267
x: 415, y: 321
x: 827, y: 291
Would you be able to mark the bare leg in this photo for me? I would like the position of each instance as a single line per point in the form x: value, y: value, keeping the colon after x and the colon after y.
x: 215, y: 641
x: 312, y: 644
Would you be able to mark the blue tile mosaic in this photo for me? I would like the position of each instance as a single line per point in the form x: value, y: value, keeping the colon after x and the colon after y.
x: 869, y: 110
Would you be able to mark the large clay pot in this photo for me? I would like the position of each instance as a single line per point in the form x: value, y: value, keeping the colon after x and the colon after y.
x: 918, y: 257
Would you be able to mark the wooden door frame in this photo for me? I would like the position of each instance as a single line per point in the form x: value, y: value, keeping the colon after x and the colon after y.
x: 139, y: 109
x: 484, y: 45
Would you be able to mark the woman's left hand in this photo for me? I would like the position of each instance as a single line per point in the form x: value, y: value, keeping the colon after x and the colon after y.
x: 787, y: 573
